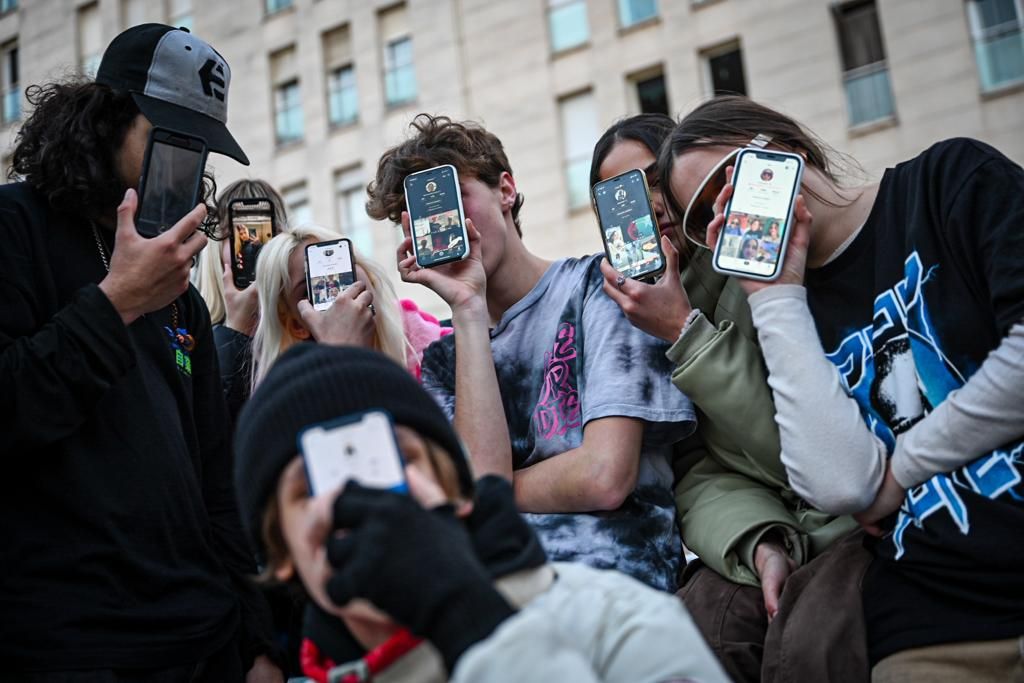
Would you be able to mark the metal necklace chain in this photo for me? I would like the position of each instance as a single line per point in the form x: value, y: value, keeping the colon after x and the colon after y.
x: 102, y: 248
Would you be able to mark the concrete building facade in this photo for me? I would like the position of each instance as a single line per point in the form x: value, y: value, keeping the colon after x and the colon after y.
x: 321, y: 88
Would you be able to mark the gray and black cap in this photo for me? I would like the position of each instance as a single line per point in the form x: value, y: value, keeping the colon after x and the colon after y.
x: 177, y: 80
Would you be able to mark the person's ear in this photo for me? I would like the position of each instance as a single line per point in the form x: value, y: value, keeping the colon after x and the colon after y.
x: 285, y: 571
x: 507, y: 188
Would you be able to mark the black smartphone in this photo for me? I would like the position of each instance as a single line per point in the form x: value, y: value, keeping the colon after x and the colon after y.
x: 753, y: 241
x: 438, y: 221
x: 252, y: 225
x: 330, y: 270
x: 172, y: 180
x: 632, y: 241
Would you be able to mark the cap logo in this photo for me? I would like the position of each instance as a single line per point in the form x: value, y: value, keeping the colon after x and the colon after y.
x: 210, y: 75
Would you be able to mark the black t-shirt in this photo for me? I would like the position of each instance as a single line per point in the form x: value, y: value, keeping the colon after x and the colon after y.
x: 907, y: 314
x: 120, y: 531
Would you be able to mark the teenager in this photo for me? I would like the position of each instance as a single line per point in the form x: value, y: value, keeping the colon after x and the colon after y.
x: 234, y: 311
x: 904, y: 302
x: 123, y: 554
x: 737, y: 511
x: 365, y: 314
x: 462, y: 571
x: 549, y: 385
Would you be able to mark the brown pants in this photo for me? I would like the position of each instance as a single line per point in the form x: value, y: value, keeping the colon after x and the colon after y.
x: 818, y: 634
x: 997, y: 661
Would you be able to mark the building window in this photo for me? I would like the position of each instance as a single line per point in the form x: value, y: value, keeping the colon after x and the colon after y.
x: 275, y: 6
x: 399, y: 68
x: 997, y: 28
x: 90, y: 39
x: 8, y: 6
x: 296, y: 202
x: 632, y: 12
x: 135, y: 12
x: 342, y: 94
x: 288, y: 124
x: 9, y: 83
x: 567, y: 24
x: 651, y: 93
x: 399, y: 72
x: 179, y: 13
x: 350, y: 194
x: 865, y: 72
x: 724, y: 70
x: 578, y: 114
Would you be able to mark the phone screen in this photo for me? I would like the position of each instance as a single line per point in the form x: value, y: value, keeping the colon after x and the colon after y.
x: 435, y: 210
x: 330, y: 271
x: 627, y: 225
x: 363, y: 449
x: 252, y: 226
x: 765, y: 186
x: 170, y: 188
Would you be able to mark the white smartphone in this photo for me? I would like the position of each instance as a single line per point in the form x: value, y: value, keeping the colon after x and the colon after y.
x: 437, y: 219
x: 360, y: 447
x: 752, y: 243
x: 330, y: 270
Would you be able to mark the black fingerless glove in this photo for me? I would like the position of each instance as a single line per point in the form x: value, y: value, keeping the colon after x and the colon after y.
x: 417, y: 565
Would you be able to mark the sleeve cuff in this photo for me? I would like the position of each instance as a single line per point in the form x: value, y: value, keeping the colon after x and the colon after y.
x: 93, y: 318
x: 775, y: 293
x: 694, y: 336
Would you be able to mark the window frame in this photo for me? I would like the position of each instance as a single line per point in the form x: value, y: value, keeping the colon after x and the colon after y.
x: 552, y: 5
x: 979, y: 34
x: 390, y: 68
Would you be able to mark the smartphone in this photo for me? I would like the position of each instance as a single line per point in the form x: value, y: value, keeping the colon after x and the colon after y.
x: 252, y: 225
x: 330, y: 270
x: 361, y: 447
x: 632, y: 240
x: 438, y: 221
x: 172, y: 180
x: 753, y: 240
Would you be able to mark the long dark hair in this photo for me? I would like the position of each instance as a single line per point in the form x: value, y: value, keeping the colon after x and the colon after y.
x: 733, y: 121
x: 650, y: 130
x: 67, y: 148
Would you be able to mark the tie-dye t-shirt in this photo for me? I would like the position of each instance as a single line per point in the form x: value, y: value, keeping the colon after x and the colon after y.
x: 565, y: 355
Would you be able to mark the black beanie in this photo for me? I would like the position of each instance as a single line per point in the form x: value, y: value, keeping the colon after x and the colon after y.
x: 313, y: 383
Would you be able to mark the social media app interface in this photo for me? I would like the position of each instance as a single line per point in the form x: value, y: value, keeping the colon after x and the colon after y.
x: 756, y: 224
x: 628, y: 226
x: 437, y: 224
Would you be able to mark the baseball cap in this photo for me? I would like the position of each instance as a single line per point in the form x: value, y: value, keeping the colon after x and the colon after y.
x: 177, y: 80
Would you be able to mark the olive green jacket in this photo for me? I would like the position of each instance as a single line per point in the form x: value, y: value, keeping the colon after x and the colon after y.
x: 734, y: 488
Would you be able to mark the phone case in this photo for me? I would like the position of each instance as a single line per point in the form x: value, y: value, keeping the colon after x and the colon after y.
x: 377, y: 440
x: 646, y: 276
x: 462, y: 215
x: 241, y: 282
x: 786, y: 233
x: 164, y: 135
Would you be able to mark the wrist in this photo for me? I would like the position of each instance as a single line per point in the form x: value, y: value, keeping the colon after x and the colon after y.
x: 117, y: 300
x: 470, y: 311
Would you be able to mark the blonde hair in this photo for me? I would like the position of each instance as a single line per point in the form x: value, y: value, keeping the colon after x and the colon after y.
x: 208, y: 274
x: 273, y: 279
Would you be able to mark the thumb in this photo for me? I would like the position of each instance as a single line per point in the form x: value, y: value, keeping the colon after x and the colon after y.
x: 307, y: 312
x: 770, y: 586
x: 671, y: 256
x: 126, y: 213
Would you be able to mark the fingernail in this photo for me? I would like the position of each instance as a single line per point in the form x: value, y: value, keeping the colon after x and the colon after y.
x: 126, y: 193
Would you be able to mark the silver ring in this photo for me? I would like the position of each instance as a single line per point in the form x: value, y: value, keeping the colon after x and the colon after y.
x: 373, y: 309
x: 619, y: 281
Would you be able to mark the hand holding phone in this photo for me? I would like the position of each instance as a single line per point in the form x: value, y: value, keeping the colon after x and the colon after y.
x: 632, y: 240
x: 361, y: 448
x: 252, y: 225
x: 794, y: 263
x: 758, y: 212
x: 171, y: 182
x: 436, y: 215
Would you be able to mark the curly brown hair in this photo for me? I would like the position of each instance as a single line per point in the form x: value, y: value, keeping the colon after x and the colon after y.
x: 437, y: 140
x: 67, y: 148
